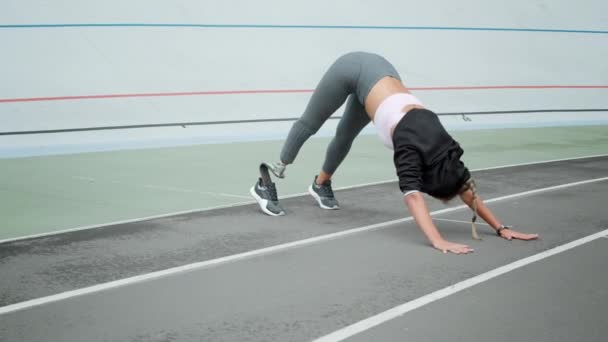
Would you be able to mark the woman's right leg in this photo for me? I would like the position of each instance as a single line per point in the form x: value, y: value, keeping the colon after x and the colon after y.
x: 353, y: 121
x: 331, y: 93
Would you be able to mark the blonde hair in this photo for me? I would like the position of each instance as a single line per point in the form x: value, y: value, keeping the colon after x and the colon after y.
x: 470, y: 185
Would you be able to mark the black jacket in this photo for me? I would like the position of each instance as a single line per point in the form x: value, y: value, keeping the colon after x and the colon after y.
x: 426, y: 157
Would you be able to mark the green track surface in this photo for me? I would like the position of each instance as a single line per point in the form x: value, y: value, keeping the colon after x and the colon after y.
x: 49, y: 193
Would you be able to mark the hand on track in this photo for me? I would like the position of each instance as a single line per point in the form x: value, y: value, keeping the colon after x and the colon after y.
x: 510, y: 234
x: 456, y: 248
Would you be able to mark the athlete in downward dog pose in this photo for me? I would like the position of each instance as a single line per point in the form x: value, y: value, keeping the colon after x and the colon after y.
x: 426, y: 157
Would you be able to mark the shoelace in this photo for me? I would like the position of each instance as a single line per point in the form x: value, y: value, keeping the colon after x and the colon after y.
x: 273, y: 192
x: 326, y: 190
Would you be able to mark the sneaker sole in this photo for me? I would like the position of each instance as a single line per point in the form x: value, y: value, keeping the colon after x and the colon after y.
x: 318, y: 199
x: 263, y: 202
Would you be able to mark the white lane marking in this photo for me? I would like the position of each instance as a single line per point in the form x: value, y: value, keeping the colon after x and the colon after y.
x: 397, y: 311
x: 255, y: 253
x: 198, y: 210
x: 174, y: 189
x: 88, y: 179
x: 459, y: 221
x: 483, y: 169
x: 162, y: 188
x: 69, y: 230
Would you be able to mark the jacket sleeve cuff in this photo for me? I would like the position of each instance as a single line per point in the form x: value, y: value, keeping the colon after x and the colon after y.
x: 410, y: 192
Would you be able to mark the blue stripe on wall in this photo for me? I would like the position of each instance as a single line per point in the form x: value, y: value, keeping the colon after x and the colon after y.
x: 339, y: 27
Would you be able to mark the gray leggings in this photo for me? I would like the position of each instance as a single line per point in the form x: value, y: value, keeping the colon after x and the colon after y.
x: 353, y: 74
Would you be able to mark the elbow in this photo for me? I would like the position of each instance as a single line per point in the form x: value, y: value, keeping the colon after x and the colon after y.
x: 413, y: 197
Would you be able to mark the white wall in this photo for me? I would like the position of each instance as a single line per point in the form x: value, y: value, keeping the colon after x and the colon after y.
x: 83, y: 61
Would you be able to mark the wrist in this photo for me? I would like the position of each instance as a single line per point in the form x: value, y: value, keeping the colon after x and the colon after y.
x: 500, y: 228
x: 437, y: 241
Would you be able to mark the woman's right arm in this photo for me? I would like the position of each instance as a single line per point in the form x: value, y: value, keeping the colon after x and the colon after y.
x: 486, y: 214
x: 419, y: 210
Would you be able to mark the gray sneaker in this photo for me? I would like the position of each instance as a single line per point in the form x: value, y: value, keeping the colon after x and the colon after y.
x: 266, y: 196
x: 265, y: 193
x: 324, y: 195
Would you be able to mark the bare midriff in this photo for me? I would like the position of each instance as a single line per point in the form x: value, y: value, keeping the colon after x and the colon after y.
x: 384, y: 88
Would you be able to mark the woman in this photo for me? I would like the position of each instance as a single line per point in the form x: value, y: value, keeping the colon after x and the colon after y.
x: 426, y: 157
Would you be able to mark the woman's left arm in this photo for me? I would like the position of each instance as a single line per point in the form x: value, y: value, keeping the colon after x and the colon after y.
x: 486, y: 214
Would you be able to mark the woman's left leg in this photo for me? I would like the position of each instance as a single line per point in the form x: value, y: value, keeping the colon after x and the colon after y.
x: 355, y: 118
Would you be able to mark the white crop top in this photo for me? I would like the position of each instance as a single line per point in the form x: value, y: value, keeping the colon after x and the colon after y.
x: 389, y: 114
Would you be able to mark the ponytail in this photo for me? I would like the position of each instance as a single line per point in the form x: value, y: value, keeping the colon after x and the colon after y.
x: 470, y: 185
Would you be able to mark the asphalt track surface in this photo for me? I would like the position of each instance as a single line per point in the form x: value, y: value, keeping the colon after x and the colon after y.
x: 301, y: 293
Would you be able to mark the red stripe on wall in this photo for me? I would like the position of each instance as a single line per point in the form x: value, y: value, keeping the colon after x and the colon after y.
x: 279, y: 91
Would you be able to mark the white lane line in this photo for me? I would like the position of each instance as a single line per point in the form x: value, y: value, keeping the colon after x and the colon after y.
x: 88, y: 179
x: 459, y: 221
x: 175, y: 189
x: 199, y: 210
x: 257, y: 252
x: 189, y: 191
x: 69, y: 230
x: 400, y: 310
x: 506, y: 166
x: 162, y: 188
